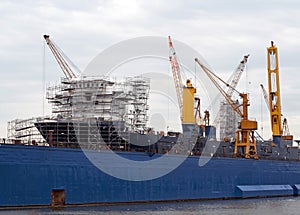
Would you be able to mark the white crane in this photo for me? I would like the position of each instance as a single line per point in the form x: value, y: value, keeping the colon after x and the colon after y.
x: 62, y: 62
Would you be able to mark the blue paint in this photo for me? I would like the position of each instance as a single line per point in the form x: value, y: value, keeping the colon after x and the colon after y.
x: 265, y: 190
x: 277, y: 139
x: 29, y: 174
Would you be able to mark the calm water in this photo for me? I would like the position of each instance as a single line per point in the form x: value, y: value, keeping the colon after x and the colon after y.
x: 272, y: 206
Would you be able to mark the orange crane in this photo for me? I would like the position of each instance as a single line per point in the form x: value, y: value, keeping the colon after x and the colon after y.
x: 234, y: 80
x: 245, y: 144
x: 60, y: 59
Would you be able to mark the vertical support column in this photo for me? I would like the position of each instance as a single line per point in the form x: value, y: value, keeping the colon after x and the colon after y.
x: 274, y: 93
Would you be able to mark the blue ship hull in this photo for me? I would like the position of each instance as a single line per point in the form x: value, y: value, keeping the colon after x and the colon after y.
x: 30, y: 173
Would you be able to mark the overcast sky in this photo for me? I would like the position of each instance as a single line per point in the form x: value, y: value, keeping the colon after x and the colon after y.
x: 222, y: 31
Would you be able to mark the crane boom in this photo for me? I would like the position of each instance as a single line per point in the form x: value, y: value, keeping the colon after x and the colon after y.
x: 176, y: 74
x: 60, y: 60
x: 234, y: 79
x: 211, y: 76
x: 237, y: 75
x: 265, y: 94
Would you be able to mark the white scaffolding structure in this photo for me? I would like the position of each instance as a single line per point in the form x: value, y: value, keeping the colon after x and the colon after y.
x: 23, y: 131
x: 59, y: 95
x: 92, y: 98
x: 138, y: 112
x: 229, y: 120
x: 84, y: 107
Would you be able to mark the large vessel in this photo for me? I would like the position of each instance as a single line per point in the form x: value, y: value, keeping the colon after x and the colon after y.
x: 98, y: 150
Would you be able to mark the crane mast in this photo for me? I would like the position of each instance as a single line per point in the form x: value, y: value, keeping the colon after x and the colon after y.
x: 274, y: 93
x: 60, y: 60
x: 245, y: 144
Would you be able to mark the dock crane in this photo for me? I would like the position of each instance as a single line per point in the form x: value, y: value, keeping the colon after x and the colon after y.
x: 279, y: 129
x: 237, y: 75
x: 265, y: 95
x: 285, y: 128
x: 274, y: 93
x: 234, y: 80
x: 176, y: 74
x: 245, y: 144
x: 229, y: 118
x: 185, y: 94
x: 60, y: 59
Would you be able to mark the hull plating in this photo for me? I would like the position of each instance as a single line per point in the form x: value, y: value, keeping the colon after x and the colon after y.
x: 29, y: 174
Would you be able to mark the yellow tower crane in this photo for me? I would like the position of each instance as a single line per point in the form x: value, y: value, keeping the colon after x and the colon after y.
x: 285, y: 128
x: 245, y: 144
x: 280, y: 128
x: 274, y: 93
